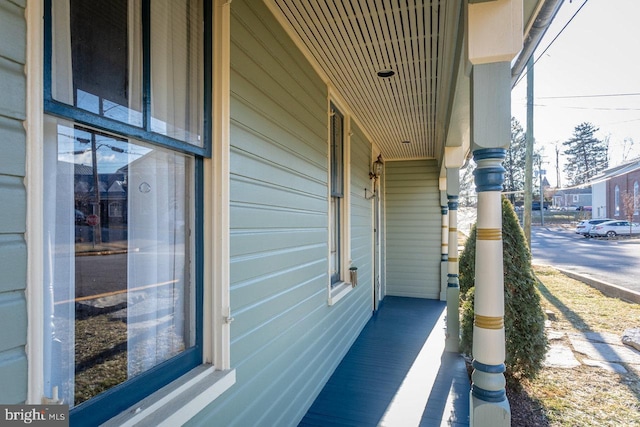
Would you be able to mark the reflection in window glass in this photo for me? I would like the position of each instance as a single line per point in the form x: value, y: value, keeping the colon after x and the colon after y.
x: 118, y: 277
x: 97, y: 57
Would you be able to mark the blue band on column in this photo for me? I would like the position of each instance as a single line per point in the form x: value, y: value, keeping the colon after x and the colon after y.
x: 491, y: 177
x: 445, y: 257
x: 452, y: 202
x: 490, y: 369
x: 489, y: 153
x: 488, y: 395
x: 443, y: 210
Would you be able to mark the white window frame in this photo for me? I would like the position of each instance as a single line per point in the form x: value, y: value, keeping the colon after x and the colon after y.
x: 183, y: 398
x: 616, y: 200
x: 343, y: 287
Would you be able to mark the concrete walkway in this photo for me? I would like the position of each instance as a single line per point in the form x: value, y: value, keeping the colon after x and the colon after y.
x: 606, y: 351
x: 598, y: 350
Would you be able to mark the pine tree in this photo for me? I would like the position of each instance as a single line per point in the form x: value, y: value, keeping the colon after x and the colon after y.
x: 587, y: 155
x: 526, y: 342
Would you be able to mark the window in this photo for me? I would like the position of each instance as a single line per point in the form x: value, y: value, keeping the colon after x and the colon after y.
x: 339, y: 211
x: 126, y: 84
x: 337, y: 193
x: 617, y: 200
x: 576, y: 198
x: 636, y: 197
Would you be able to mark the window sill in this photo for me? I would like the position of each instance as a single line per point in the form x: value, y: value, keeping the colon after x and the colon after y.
x: 178, y: 401
x: 339, y: 291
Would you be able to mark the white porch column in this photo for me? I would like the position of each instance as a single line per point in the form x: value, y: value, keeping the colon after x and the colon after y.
x: 489, y: 405
x: 452, y: 342
x: 444, y: 251
x: 494, y: 34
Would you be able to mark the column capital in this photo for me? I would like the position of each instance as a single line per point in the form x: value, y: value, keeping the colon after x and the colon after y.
x: 489, y: 175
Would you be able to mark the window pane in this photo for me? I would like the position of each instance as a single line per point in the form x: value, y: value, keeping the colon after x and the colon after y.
x: 334, y: 259
x: 119, y: 287
x: 337, y: 153
x: 177, y: 69
x: 96, y: 58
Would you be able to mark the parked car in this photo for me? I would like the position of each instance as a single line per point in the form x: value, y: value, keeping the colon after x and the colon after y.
x: 535, y: 206
x: 584, y: 227
x: 80, y: 217
x: 614, y: 228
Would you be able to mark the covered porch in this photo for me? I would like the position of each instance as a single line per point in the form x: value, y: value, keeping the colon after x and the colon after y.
x: 397, y: 373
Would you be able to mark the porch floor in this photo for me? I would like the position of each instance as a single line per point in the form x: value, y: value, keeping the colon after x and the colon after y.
x: 397, y: 373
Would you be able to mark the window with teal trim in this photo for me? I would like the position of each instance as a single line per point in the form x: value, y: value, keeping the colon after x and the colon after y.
x: 127, y: 86
x: 336, y: 149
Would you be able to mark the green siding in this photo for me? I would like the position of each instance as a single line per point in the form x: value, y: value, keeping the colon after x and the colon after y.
x: 285, y: 339
x: 361, y: 208
x: 413, y: 231
x: 13, y: 257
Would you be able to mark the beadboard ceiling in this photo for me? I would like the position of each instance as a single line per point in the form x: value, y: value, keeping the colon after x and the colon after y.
x: 351, y: 41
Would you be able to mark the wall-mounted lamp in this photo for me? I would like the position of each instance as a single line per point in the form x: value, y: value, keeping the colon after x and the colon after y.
x: 374, y: 174
x: 376, y: 170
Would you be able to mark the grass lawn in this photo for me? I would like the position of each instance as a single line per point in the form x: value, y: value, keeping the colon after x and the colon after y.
x: 584, y: 395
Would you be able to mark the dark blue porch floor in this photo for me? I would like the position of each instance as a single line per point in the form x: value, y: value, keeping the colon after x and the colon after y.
x: 397, y: 373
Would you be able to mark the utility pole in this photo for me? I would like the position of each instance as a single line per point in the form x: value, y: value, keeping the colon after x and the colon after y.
x: 528, y: 163
x: 540, y: 173
x: 558, y: 167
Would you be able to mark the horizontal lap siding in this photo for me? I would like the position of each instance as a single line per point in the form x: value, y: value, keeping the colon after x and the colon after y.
x: 361, y: 208
x: 413, y: 229
x: 285, y: 339
x: 13, y: 253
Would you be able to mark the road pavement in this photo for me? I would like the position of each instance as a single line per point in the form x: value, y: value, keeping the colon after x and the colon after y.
x: 615, y: 261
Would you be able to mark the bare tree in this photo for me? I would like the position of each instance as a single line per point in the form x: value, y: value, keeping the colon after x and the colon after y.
x: 629, y: 204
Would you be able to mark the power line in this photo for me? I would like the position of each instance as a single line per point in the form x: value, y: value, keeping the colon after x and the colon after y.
x: 553, y: 41
x: 590, y: 96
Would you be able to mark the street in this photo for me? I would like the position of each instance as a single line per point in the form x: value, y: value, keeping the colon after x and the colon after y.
x: 616, y: 261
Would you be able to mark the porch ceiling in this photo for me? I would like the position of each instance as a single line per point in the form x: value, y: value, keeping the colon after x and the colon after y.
x: 350, y: 41
x: 419, y: 40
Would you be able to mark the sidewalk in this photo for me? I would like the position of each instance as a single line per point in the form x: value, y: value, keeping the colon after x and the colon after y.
x: 595, y: 349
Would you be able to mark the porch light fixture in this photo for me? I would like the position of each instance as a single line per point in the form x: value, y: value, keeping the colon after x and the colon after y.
x: 386, y: 73
x: 374, y: 174
x: 376, y: 169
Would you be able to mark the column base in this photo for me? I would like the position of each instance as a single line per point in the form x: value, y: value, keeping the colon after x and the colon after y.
x: 489, y: 414
x: 443, y: 280
x: 452, y: 341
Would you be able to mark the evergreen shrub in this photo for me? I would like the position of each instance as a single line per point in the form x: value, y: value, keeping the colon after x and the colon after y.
x: 526, y: 342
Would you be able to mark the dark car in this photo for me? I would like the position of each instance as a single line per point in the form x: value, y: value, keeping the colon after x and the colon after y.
x: 535, y: 206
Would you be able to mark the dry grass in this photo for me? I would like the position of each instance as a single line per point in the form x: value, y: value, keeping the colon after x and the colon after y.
x: 586, y: 396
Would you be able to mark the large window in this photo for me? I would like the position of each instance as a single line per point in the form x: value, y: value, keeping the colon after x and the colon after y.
x: 125, y: 134
x: 336, y: 149
x: 616, y: 201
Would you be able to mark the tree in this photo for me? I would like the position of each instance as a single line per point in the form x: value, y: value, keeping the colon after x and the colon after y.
x: 587, y: 155
x: 514, y: 161
x: 526, y: 342
x: 629, y: 204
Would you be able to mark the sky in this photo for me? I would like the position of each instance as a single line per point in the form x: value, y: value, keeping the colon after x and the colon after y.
x: 590, y: 73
